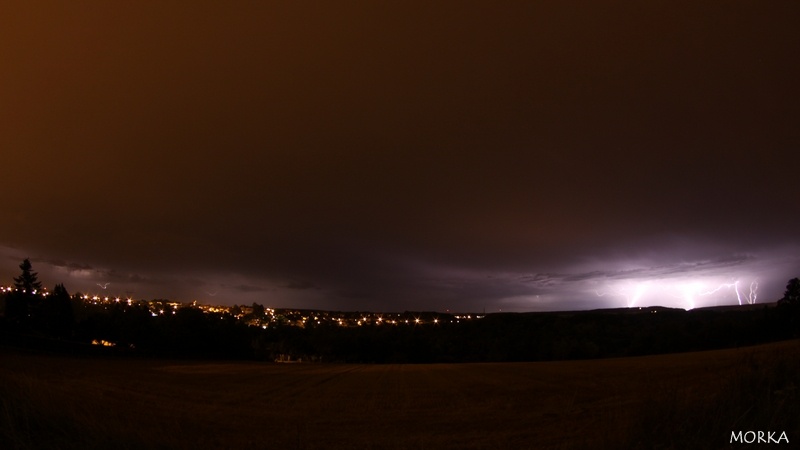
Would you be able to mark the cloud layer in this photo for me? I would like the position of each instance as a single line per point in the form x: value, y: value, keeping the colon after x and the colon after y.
x: 402, y: 155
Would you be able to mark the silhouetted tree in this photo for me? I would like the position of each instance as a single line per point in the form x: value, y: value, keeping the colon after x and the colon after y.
x: 790, y: 304
x: 20, y: 302
x: 258, y: 310
x: 792, y: 294
x: 28, y: 282
x: 57, y: 313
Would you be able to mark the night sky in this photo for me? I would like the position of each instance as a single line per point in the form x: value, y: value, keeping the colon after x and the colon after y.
x: 391, y: 156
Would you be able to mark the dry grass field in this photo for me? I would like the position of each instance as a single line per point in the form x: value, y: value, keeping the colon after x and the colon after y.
x: 691, y: 400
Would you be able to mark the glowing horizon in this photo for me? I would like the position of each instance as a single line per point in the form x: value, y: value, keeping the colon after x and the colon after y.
x: 687, y: 292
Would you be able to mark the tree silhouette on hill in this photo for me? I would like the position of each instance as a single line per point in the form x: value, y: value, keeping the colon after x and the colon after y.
x: 790, y: 304
x: 29, y: 310
x: 56, y: 313
x: 792, y: 294
x: 19, y: 303
x: 28, y: 282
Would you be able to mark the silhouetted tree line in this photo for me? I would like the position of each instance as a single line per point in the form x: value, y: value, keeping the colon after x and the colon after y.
x: 27, y: 310
x: 58, y: 320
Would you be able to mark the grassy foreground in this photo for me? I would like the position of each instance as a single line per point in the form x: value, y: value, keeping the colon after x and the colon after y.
x: 690, y: 400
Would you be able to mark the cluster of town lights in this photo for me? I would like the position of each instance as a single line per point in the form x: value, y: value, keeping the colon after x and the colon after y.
x: 9, y: 289
x: 270, y: 316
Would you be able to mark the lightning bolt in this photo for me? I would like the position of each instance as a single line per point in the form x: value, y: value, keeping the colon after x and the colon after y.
x: 630, y: 299
x: 686, y: 292
x: 751, y: 299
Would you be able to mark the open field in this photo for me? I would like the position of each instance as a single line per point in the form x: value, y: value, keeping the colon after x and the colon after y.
x: 668, y: 401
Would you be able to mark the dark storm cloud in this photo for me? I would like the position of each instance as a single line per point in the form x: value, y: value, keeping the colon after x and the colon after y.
x: 301, y: 285
x: 398, y: 155
x: 70, y: 266
x: 551, y: 279
x: 247, y: 288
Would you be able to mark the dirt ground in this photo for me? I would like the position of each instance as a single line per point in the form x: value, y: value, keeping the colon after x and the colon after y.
x: 62, y: 402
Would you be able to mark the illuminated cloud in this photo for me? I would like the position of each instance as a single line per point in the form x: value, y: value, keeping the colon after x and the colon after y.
x: 736, y: 279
